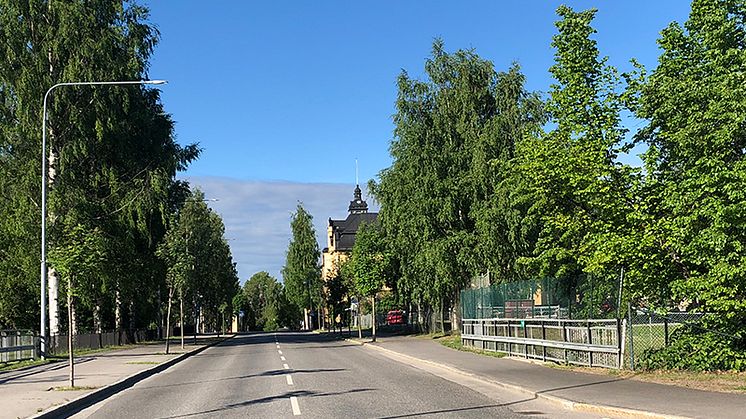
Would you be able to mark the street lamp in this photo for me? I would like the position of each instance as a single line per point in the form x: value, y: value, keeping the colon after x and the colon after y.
x: 43, y: 330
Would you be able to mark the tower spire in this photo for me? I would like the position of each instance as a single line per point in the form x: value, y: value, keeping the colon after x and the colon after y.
x: 357, y: 205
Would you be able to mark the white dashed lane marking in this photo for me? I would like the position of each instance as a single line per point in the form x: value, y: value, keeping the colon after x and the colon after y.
x: 290, y: 379
x: 285, y: 366
x: 294, y: 404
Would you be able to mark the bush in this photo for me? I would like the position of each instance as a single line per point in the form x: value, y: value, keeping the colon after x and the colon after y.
x: 696, y: 349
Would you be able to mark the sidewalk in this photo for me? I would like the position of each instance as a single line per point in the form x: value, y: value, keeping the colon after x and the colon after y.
x: 581, y: 391
x: 29, y: 391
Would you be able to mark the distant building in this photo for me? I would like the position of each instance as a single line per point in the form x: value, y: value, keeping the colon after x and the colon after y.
x: 341, y: 234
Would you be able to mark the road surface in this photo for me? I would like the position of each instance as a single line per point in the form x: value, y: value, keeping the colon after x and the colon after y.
x: 277, y: 375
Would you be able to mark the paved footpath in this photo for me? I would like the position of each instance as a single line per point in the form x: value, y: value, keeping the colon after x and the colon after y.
x: 580, y: 391
x: 29, y: 391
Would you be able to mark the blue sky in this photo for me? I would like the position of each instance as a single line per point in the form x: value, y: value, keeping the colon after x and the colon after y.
x: 284, y: 95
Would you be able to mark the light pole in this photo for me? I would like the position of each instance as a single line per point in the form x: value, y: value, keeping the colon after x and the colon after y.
x: 43, y: 326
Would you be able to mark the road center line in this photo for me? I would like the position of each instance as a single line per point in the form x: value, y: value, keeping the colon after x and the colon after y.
x: 283, y: 358
x: 294, y: 404
x: 285, y: 366
x: 290, y: 379
x: 279, y: 352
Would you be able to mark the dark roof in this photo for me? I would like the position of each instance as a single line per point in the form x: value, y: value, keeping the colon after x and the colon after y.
x: 345, y: 230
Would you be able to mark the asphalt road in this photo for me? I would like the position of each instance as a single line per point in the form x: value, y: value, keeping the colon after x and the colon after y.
x: 298, y: 374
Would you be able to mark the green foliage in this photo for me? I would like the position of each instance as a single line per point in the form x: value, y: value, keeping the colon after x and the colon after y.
x: 695, y: 102
x: 111, y: 150
x: 697, y: 349
x: 371, y: 262
x: 453, y: 133
x: 266, y: 305
x: 198, y: 259
x: 581, y: 196
x: 302, y: 272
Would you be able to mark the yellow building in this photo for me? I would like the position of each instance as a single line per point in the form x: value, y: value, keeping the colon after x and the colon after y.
x: 340, y: 234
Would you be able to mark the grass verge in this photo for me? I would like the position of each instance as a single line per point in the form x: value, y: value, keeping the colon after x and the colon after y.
x: 76, y: 388
x: 454, y: 342
x: 14, y: 365
x: 721, y: 381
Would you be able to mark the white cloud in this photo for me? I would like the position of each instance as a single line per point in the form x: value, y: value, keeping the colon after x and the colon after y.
x: 257, y: 216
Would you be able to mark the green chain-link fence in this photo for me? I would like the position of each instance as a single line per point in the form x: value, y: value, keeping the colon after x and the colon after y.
x: 584, y: 297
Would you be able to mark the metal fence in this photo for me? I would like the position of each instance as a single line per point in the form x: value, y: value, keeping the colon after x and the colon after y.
x: 646, y: 330
x: 58, y: 343
x: 581, y: 297
x: 582, y: 342
x: 17, y: 345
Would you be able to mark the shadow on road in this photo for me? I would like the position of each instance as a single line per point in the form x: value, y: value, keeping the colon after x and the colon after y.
x: 287, y: 395
x: 271, y: 373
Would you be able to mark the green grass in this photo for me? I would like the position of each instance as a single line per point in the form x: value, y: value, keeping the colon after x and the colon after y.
x: 14, y: 365
x: 76, y: 388
x: 649, y: 336
x: 454, y: 342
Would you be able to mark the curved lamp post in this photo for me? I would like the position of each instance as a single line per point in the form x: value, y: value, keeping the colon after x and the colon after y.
x: 43, y: 334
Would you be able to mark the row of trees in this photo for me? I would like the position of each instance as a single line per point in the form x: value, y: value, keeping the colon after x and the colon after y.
x: 268, y: 305
x: 112, y: 156
x: 489, y: 177
x: 265, y: 305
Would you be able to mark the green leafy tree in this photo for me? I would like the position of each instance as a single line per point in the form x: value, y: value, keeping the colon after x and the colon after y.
x: 454, y: 134
x: 302, y: 271
x: 200, y: 268
x: 695, y: 102
x: 111, y: 151
x: 262, y: 291
x: 581, y: 200
x: 371, y: 263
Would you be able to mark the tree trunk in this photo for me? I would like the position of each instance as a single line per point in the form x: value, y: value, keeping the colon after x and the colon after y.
x: 118, y: 320
x: 168, y: 318
x: 456, y: 313
x: 54, y: 307
x: 97, y: 316
x: 181, y: 317
x: 374, y: 317
x: 420, y: 320
x: 440, y: 316
x: 159, y: 316
x: 359, y: 320
x: 132, y: 320
x: 70, y: 333
x: 73, y: 319
x: 195, y: 317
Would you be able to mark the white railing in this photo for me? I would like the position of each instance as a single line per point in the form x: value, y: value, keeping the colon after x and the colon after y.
x: 16, y: 345
x: 593, y: 343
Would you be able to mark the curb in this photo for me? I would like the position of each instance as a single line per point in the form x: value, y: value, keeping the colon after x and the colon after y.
x: 565, y: 403
x: 89, y: 399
